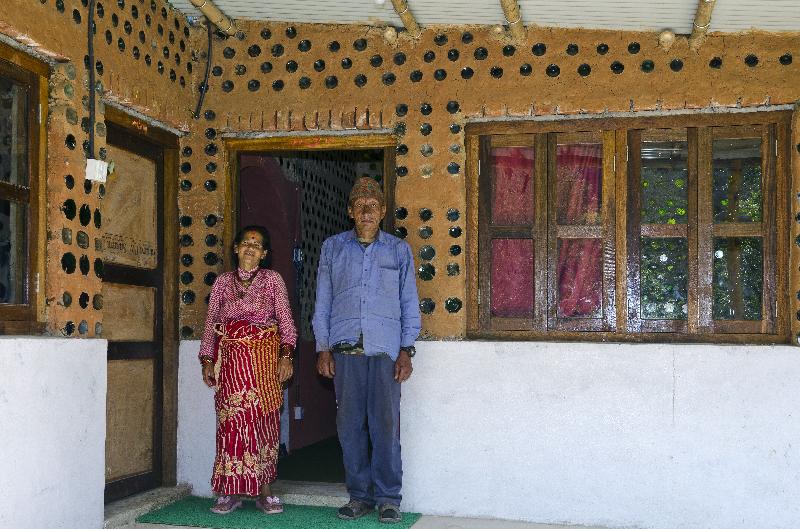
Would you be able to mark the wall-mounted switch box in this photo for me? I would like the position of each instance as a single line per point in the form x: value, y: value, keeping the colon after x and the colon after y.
x: 96, y: 170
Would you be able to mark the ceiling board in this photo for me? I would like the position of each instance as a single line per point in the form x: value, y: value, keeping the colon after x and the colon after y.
x: 729, y: 15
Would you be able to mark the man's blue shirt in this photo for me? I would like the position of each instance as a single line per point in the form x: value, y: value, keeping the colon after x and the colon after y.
x: 370, y: 291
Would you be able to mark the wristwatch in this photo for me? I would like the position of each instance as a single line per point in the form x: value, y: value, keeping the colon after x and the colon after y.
x: 410, y: 350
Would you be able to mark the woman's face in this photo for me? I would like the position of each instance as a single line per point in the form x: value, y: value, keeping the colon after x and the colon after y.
x: 250, y: 251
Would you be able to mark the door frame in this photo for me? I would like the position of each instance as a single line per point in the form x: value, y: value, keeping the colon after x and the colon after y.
x: 168, y: 390
x: 234, y: 146
x: 309, y: 143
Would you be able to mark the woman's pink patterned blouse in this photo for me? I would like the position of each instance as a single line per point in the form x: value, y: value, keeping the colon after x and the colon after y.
x: 265, y: 301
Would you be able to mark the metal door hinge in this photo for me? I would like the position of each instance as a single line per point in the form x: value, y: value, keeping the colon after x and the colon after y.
x: 627, y: 153
x: 36, y: 283
x: 39, y: 114
x: 479, y: 296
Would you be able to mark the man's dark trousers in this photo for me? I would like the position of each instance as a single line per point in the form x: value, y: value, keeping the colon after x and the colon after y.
x: 368, y: 409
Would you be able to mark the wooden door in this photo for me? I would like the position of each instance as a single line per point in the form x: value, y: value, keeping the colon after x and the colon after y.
x: 133, y: 284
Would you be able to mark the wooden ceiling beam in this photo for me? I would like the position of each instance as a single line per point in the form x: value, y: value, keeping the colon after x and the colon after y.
x: 405, y: 14
x: 702, y: 19
x: 514, y: 20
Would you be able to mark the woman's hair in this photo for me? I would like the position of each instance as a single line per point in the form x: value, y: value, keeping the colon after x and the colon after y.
x: 261, y: 230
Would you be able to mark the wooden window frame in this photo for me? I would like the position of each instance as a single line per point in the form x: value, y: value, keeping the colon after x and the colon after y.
x: 621, y: 230
x: 28, y: 318
x: 637, y: 230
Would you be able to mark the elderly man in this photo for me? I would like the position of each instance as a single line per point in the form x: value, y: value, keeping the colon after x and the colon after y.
x: 365, y: 323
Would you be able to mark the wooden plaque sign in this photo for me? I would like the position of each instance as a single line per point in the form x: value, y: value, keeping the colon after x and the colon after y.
x: 130, y: 222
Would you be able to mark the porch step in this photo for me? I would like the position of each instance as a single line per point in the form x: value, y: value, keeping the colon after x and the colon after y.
x: 311, y: 493
x: 123, y: 513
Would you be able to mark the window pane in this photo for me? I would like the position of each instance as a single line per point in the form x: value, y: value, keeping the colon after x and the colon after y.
x: 512, y: 185
x: 13, y: 132
x: 580, y: 278
x: 512, y: 278
x: 13, y: 252
x: 579, y: 174
x: 664, y: 156
x: 664, y: 272
x: 738, y: 278
x: 737, y: 180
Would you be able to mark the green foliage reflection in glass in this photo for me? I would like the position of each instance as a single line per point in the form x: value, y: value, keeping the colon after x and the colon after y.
x: 664, y: 182
x: 737, y: 180
x: 13, y: 124
x: 664, y: 273
x: 738, y: 278
x: 13, y: 252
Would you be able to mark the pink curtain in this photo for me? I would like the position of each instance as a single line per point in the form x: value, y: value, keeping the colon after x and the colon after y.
x: 580, y: 261
x: 512, y: 278
x: 512, y: 205
x: 512, y: 178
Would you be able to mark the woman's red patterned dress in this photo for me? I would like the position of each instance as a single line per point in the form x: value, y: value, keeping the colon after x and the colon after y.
x: 244, y: 330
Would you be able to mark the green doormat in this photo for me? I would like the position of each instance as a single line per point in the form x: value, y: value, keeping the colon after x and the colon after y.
x: 194, y: 512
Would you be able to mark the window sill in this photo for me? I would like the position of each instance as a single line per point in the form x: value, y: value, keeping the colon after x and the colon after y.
x: 653, y: 338
x: 22, y: 328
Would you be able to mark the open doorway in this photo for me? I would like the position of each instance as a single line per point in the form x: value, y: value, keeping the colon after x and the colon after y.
x: 301, y: 197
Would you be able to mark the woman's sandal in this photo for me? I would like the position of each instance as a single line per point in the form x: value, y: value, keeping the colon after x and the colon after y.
x: 269, y: 505
x: 226, y: 504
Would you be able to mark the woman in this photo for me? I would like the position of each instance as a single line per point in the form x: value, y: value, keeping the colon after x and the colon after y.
x: 249, y: 327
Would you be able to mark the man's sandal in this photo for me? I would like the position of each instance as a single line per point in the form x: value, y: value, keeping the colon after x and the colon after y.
x: 388, y: 513
x: 225, y: 505
x: 269, y: 505
x: 354, y: 509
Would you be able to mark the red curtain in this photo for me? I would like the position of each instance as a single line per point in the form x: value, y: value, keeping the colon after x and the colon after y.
x: 512, y: 278
x: 512, y: 205
x: 512, y: 178
x: 580, y: 261
x: 579, y: 265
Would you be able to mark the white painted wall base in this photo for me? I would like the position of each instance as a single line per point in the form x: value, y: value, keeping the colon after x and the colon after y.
x: 638, y: 435
x: 52, y: 433
x: 196, y: 422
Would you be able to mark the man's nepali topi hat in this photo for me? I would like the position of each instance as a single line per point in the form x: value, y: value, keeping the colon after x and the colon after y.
x: 366, y: 187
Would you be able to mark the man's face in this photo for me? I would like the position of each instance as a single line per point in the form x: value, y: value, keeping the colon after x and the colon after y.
x: 367, y: 214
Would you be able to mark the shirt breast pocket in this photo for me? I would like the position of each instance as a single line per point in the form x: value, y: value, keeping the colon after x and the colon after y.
x: 390, y: 282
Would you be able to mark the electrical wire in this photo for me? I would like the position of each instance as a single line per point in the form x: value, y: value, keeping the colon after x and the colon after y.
x: 204, y: 85
x: 92, y: 102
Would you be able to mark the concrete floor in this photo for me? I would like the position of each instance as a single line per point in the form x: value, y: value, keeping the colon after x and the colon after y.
x: 430, y: 522
x: 122, y: 514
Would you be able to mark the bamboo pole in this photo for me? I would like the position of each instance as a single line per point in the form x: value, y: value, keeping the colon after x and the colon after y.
x: 215, y: 16
x: 514, y: 19
x: 702, y: 19
x: 401, y: 7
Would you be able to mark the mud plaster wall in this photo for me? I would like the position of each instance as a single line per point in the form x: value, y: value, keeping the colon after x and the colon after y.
x: 282, y: 77
x: 143, y: 60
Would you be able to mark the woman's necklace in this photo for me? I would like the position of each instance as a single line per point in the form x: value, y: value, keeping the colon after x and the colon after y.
x: 242, y: 281
x: 244, y: 275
